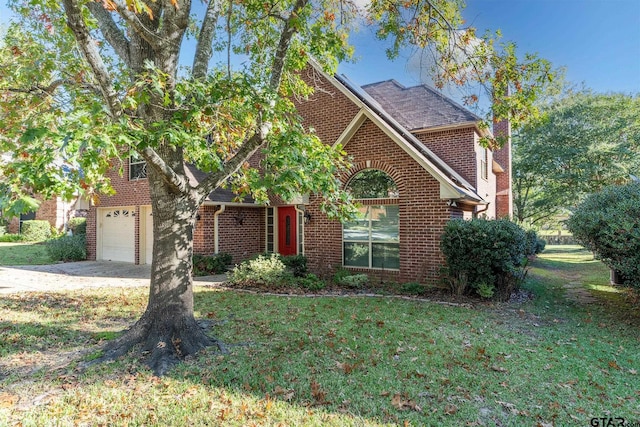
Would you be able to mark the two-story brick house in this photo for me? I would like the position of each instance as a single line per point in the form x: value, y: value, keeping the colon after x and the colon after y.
x: 416, y: 164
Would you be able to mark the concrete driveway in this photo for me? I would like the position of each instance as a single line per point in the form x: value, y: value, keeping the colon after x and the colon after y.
x: 77, y: 275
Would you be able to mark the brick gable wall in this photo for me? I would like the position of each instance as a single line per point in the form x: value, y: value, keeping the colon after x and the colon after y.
x: 327, y: 110
x: 422, y: 212
x: 457, y: 148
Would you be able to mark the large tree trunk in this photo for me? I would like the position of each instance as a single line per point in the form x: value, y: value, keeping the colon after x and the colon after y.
x: 167, y: 330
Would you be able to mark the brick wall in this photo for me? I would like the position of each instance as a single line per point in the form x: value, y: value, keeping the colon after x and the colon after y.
x: 457, y: 148
x: 241, y: 240
x: 504, y: 202
x: 328, y: 111
x: 53, y: 210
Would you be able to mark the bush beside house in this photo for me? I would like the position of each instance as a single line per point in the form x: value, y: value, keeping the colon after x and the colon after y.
x: 485, y: 257
x: 608, y: 223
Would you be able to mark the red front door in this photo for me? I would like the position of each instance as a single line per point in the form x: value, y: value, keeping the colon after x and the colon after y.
x: 287, y: 230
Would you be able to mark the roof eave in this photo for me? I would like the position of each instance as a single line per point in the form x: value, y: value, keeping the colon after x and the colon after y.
x: 468, y: 124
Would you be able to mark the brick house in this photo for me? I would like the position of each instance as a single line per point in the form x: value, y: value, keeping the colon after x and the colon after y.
x: 416, y: 164
x: 55, y: 210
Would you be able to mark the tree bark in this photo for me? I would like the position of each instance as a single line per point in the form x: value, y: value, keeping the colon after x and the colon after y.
x: 167, y: 331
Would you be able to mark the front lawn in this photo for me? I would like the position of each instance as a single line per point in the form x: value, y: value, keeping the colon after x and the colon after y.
x: 359, y: 361
x: 23, y: 254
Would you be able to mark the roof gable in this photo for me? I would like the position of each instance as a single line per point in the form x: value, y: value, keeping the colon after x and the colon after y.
x: 418, y: 107
x: 452, y: 185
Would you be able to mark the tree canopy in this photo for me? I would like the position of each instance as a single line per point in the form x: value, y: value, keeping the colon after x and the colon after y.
x: 582, y: 142
x: 84, y: 83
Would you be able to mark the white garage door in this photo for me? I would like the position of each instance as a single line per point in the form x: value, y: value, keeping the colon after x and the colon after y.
x: 117, y: 234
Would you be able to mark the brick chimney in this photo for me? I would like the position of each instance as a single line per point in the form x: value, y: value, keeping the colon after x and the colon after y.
x: 502, y: 156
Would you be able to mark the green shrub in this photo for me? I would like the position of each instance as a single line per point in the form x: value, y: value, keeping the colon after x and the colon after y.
x: 297, y: 264
x: 206, y: 265
x: 265, y: 270
x: 608, y: 223
x: 355, y: 281
x: 412, y: 288
x: 486, y: 290
x: 10, y: 238
x: 489, y: 252
x: 340, y: 274
x: 36, y: 230
x: 535, y: 245
x: 67, y: 248
x: 311, y: 282
x: 77, y: 225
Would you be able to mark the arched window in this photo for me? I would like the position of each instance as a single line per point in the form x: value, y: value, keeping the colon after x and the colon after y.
x: 372, y: 240
x: 373, y: 184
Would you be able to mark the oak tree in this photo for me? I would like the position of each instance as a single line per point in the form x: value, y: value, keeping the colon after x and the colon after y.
x: 581, y: 143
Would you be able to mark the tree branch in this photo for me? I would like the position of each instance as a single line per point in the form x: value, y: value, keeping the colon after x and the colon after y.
x: 283, y: 45
x: 214, y: 180
x: 112, y: 33
x: 136, y: 24
x: 178, y: 182
x: 51, y: 88
x: 89, y: 49
x: 175, y: 19
x: 204, y: 48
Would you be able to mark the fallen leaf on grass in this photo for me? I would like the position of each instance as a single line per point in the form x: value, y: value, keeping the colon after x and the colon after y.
x: 402, y: 403
x: 498, y: 368
x: 614, y: 365
x: 450, y: 409
x: 7, y: 400
x: 285, y: 394
x: 319, y: 395
x: 346, y: 367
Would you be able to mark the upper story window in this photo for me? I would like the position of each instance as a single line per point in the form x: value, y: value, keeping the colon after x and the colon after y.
x: 137, y: 167
x: 484, y: 163
x: 373, y: 239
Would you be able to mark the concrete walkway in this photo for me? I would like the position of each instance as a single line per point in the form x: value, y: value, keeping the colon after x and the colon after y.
x: 78, y: 275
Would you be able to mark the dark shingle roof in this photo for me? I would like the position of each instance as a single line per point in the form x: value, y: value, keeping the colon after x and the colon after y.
x: 418, y: 107
x: 222, y: 195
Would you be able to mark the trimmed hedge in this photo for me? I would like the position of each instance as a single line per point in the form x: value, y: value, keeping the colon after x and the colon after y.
x: 608, y: 223
x: 485, y: 257
x: 77, y: 225
x: 35, y: 230
x: 67, y: 248
x: 206, y: 265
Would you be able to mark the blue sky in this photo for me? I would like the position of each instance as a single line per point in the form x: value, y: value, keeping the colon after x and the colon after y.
x: 598, y: 41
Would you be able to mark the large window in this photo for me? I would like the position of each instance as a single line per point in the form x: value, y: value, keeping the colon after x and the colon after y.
x: 372, y: 240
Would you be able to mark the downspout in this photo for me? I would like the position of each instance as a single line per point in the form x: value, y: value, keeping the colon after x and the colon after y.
x: 216, y: 238
x: 486, y: 208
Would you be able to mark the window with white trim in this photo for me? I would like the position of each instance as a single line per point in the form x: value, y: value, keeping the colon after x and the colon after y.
x: 137, y: 167
x: 373, y: 239
x: 270, y: 230
x: 484, y: 164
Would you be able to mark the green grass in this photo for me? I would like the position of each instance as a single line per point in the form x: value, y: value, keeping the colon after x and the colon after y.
x: 360, y: 361
x: 23, y: 254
